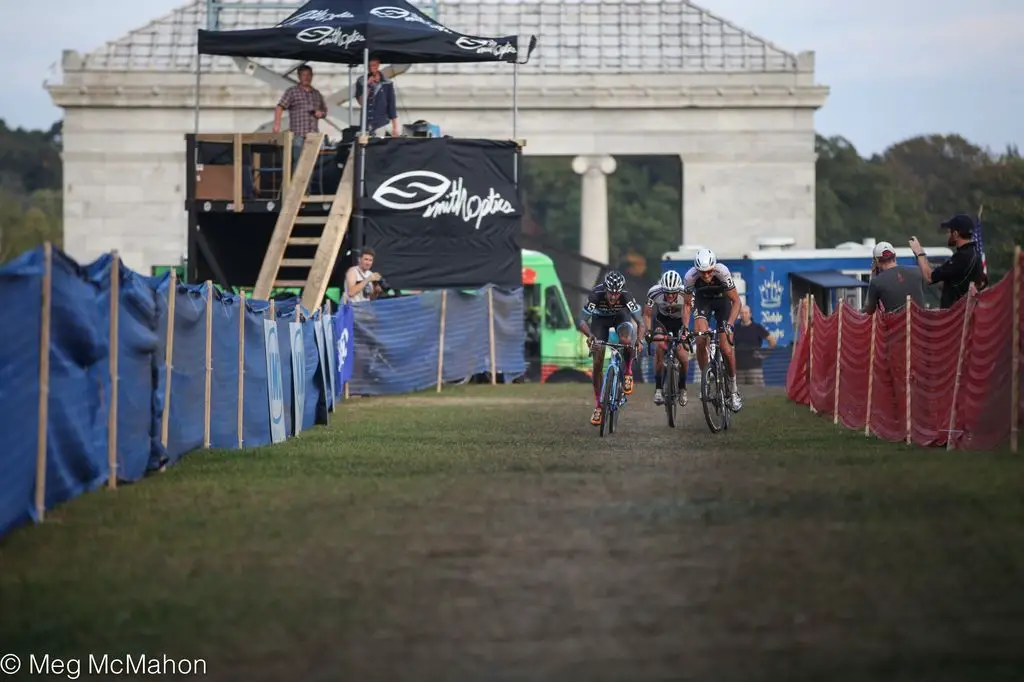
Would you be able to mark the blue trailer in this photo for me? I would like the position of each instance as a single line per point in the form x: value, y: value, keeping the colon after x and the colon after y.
x: 774, y: 279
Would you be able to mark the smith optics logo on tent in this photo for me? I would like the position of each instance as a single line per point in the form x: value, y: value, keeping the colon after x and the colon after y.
x: 320, y: 16
x: 437, y: 196
x: 484, y: 46
x: 399, y: 14
x: 330, y: 35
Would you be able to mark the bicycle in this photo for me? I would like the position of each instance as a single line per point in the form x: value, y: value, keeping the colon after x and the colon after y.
x: 670, y: 390
x: 613, y: 395
x: 714, y: 385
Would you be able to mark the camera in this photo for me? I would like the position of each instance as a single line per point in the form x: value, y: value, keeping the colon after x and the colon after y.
x: 384, y: 290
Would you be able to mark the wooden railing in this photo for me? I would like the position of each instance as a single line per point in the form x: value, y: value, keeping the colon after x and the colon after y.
x: 238, y: 142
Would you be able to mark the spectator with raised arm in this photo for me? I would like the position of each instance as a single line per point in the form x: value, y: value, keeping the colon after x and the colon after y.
x: 962, y: 269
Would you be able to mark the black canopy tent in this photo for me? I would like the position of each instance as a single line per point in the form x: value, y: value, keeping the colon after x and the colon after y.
x: 394, y: 31
x: 338, y: 31
x: 349, y: 31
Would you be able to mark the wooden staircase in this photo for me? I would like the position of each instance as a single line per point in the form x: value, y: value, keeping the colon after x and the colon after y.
x: 329, y: 241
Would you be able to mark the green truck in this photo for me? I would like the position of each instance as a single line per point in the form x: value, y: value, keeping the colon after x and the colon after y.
x: 555, y: 350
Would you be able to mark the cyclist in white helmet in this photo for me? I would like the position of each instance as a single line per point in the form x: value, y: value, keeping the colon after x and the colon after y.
x: 710, y: 290
x: 666, y: 297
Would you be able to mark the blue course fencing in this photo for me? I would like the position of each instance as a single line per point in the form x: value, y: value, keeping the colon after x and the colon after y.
x: 196, y: 367
x: 58, y: 367
x: 398, y: 341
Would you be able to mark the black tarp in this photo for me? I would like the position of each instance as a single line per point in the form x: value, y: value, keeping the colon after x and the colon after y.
x: 454, y: 225
x: 338, y: 31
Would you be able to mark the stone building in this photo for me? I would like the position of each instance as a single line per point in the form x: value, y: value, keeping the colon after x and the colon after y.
x: 608, y: 77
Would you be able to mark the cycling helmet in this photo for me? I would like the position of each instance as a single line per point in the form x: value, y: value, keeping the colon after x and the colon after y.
x: 614, y: 282
x: 705, y: 260
x: 671, y: 281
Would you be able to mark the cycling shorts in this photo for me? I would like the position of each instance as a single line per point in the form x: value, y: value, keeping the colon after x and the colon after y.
x: 602, y: 324
x: 719, y: 307
x: 671, y: 325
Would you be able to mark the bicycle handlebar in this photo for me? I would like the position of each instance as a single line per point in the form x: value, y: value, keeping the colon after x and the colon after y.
x: 610, y: 344
x: 714, y: 332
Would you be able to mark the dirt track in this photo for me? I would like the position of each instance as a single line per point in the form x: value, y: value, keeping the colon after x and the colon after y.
x: 611, y: 575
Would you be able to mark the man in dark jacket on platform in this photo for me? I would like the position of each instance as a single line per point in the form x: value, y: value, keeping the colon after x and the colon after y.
x: 962, y: 269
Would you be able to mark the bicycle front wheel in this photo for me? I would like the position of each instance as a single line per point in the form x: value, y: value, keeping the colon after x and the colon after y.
x: 616, y: 403
x: 724, y: 391
x: 607, y: 396
x: 670, y: 392
x: 711, y: 397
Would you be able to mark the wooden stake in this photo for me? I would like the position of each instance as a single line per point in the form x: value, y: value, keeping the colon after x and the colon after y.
x: 490, y: 333
x: 172, y: 295
x: 440, y: 340
x: 209, y: 363
x: 959, y: 365
x: 1015, y: 363
x: 241, y: 363
x: 44, y: 381
x: 839, y: 363
x: 906, y: 378
x: 236, y: 144
x: 871, y: 373
x: 810, y: 360
x: 115, y: 296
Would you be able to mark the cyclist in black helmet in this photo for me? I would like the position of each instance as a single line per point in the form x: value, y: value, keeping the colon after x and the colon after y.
x: 611, y: 305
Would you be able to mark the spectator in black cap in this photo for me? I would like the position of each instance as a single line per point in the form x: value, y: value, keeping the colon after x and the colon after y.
x: 962, y: 269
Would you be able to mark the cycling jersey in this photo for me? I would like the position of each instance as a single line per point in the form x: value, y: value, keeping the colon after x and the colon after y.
x: 664, y: 308
x: 721, y: 283
x: 598, y: 304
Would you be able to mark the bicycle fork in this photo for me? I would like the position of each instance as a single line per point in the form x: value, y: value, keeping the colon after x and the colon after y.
x: 616, y: 382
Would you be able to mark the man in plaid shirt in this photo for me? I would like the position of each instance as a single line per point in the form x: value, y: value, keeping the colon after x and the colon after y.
x: 305, y: 106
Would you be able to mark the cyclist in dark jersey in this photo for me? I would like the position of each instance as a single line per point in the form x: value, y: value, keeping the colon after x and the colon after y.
x: 611, y: 305
x: 711, y: 290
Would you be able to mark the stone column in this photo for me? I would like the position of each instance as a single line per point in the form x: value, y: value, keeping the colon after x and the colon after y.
x: 593, y: 211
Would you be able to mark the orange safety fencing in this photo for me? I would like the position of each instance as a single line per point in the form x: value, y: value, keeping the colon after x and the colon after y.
x: 931, y: 377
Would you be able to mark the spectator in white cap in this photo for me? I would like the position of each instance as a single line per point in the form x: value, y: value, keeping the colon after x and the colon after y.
x: 892, y: 283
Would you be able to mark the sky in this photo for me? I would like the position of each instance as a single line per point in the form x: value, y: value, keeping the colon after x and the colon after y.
x: 896, y: 68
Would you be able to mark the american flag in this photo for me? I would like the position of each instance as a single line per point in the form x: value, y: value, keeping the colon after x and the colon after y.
x: 981, y: 246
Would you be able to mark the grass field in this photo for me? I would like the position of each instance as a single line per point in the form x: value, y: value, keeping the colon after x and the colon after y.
x: 490, y: 534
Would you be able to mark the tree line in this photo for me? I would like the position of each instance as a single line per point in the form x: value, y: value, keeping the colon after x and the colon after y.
x: 31, y: 201
x: 908, y: 189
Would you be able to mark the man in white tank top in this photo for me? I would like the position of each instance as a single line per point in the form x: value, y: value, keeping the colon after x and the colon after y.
x: 360, y: 280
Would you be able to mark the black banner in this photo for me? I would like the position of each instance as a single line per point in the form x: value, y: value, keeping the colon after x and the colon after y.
x: 443, y: 212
